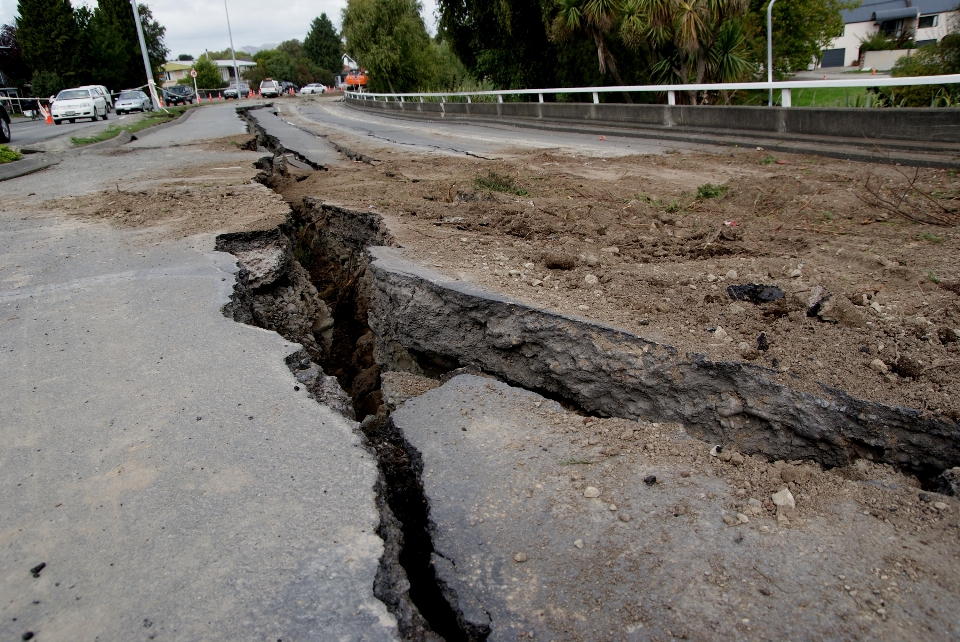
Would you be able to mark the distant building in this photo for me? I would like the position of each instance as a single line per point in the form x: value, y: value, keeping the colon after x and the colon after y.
x: 927, y: 20
x: 175, y: 71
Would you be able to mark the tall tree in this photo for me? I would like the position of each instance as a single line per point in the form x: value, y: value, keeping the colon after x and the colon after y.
x: 596, y: 18
x: 322, y: 44
x: 802, y: 29
x: 12, y: 64
x: 390, y: 40
x: 118, y: 60
x: 48, y: 35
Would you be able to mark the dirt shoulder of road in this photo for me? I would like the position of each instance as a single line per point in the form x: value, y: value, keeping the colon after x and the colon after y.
x: 860, y: 260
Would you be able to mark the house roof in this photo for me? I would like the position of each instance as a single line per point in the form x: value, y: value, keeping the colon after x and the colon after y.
x: 229, y: 63
x: 865, y: 12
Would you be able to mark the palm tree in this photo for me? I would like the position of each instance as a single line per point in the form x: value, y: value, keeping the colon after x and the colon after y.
x: 596, y: 18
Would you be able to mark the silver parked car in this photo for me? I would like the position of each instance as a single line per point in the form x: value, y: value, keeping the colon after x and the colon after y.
x: 71, y: 104
x: 133, y: 100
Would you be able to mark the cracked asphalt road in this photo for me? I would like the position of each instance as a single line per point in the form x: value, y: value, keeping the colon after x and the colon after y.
x: 154, y: 455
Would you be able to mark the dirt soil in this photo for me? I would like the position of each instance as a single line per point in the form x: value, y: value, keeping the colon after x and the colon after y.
x: 197, y: 199
x: 870, y: 279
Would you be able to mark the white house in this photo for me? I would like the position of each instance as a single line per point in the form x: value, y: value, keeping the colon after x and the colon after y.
x: 928, y: 20
x: 226, y: 68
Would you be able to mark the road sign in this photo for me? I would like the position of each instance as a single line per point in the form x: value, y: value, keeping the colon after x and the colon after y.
x: 193, y: 73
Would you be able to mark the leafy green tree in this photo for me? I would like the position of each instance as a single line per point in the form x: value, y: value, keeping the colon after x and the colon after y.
x: 389, y: 39
x: 185, y: 58
x: 225, y: 55
x: 802, y: 29
x: 11, y: 58
x: 208, y: 75
x: 932, y: 60
x: 46, y: 83
x: 322, y: 44
x: 48, y: 34
x: 117, y: 59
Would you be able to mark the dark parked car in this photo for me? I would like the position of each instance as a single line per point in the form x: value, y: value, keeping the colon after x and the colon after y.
x: 4, y: 125
x: 285, y: 87
x: 178, y: 95
x: 231, y: 91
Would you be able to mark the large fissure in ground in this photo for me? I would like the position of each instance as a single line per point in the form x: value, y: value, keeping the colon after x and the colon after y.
x: 329, y: 280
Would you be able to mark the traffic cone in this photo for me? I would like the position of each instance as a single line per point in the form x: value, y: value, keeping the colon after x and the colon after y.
x: 873, y: 72
x: 49, y: 115
x: 220, y: 93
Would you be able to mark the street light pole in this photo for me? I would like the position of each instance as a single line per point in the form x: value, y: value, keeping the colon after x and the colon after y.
x: 769, y: 49
x: 146, y: 59
x: 233, y: 52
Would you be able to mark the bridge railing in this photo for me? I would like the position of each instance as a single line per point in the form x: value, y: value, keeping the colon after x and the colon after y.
x: 785, y: 87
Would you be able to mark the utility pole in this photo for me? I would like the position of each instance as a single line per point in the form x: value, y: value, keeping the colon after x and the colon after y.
x: 769, y: 49
x: 233, y: 52
x: 146, y: 59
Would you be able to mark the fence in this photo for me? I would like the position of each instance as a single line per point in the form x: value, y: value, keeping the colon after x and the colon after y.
x: 785, y: 87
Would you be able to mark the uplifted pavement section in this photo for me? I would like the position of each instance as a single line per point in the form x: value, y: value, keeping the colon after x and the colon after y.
x: 162, y: 475
x: 308, y: 147
x: 549, y: 525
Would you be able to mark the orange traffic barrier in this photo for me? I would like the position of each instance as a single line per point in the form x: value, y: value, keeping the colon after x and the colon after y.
x: 48, y: 114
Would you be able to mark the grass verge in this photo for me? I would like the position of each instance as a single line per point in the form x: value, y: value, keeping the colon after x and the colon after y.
x: 150, y: 119
x: 8, y: 155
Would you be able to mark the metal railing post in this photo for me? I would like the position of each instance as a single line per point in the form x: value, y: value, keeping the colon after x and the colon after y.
x: 770, y: 50
x: 671, y: 97
x: 499, y: 98
x: 541, y: 97
x: 596, y: 98
x: 785, y: 98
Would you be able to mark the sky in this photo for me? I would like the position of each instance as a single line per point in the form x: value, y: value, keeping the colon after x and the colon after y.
x: 197, y: 25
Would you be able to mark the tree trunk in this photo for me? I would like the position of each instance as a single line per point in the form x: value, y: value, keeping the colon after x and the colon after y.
x: 607, y: 61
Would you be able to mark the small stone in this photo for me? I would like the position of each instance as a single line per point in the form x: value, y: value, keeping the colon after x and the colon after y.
x: 879, y: 366
x: 520, y: 558
x: 529, y: 266
x: 578, y: 543
x: 732, y: 274
x: 736, y: 459
x: 650, y: 480
x: 536, y: 283
x: 796, y: 274
x: 782, y: 520
x: 743, y: 519
x: 613, y: 507
x: 784, y: 499
x: 591, y: 492
x: 591, y: 279
x: 721, y: 335
x: 610, y: 250
x: 736, y: 308
x: 514, y: 272
x: 684, y: 473
x: 623, y: 517
x: 729, y: 521
x: 716, y: 450
x: 940, y: 505
x: 754, y: 502
x: 724, y: 456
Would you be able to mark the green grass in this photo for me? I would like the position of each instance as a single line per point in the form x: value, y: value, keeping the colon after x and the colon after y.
x: 150, y: 119
x: 933, y: 238
x: 709, y: 190
x: 931, y: 275
x: 8, y: 155
x: 766, y: 160
x: 498, y: 183
x: 830, y: 97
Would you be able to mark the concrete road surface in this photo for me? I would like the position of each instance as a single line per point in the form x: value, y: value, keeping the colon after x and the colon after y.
x: 161, y: 476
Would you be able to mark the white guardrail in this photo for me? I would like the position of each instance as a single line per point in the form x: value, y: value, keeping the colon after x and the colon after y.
x: 671, y: 90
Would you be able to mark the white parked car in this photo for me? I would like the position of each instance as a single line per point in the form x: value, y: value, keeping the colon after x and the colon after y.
x: 313, y: 88
x: 132, y: 100
x: 71, y: 104
x: 103, y: 90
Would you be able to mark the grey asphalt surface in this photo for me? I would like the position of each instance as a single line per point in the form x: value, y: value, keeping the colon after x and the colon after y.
x: 479, y: 139
x: 37, y: 134
x: 154, y: 454
x: 309, y: 146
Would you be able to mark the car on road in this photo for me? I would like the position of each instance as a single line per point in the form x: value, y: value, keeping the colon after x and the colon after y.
x: 178, y: 95
x: 232, y: 92
x: 132, y: 100
x: 4, y: 125
x: 270, y: 88
x: 103, y: 90
x: 313, y: 88
x: 71, y: 104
